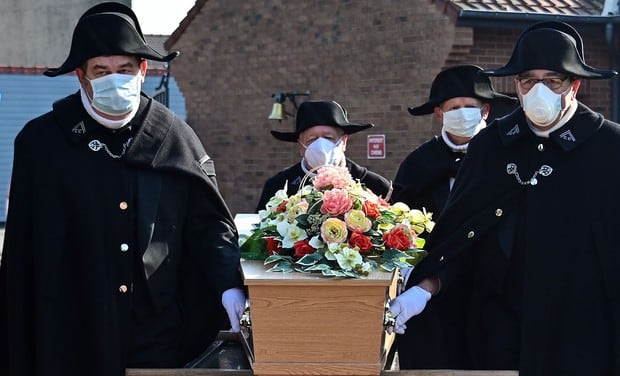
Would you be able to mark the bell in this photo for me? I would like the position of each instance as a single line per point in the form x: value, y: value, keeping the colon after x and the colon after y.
x: 277, y: 112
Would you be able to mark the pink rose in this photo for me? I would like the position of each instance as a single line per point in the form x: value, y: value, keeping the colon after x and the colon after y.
x: 336, y: 202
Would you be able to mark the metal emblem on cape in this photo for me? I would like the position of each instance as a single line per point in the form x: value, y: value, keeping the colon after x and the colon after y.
x: 544, y: 170
x: 95, y: 145
x: 568, y: 136
x: 515, y: 130
x: 79, y: 128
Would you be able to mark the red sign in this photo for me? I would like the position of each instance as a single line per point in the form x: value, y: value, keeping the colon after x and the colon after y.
x: 376, y: 146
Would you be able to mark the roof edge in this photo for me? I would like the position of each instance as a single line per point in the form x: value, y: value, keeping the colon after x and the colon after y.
x: 183, y: 25
x: 518, y: 20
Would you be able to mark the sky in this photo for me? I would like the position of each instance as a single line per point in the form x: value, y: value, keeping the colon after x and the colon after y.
x: 161, y: 16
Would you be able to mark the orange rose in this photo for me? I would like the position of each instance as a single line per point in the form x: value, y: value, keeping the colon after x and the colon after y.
x: 360, y: 241
x: 398, y: 238
x: 371, y: 210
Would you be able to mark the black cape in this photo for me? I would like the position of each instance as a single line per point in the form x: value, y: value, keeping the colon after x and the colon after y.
x: 423, y: 177
x: 109, y: 257
x: 423, y: 181
x: 535, y: 222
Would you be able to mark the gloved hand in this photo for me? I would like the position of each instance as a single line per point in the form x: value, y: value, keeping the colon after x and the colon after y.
x: 233, y: 301
x: 404, y: 276
x: 406, y: 305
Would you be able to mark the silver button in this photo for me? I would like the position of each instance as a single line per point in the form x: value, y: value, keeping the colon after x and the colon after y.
x: 123, y: 205
x: 499, y: 212
x: 541, y: 147
x: 124, y: 247
x: 470, y: 235
x: 441, y: 258
x: 122, y: 288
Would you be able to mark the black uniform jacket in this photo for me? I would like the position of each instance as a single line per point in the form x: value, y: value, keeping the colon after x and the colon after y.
x: 423, y: 181
x: 535, y: 222
x: 295, y: 174
x: 423, y: 178
x: 114, y: 251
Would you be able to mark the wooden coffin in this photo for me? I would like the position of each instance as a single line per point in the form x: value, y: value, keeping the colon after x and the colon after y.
x: 306, y: 324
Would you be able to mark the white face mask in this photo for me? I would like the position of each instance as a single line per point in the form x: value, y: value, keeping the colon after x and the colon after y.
x: 541, y: 105
x: 323, y: 152
x: 116, y: 94
x: 464, y: 122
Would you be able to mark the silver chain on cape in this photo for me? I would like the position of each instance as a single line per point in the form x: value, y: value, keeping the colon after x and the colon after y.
x: 96, y: 145
x: 544, y: 170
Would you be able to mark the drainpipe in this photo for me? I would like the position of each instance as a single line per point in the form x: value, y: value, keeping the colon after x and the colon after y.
x: 615, y: 82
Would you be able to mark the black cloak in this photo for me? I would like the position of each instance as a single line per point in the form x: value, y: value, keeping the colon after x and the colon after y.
x: 115, y: 251
x: 535, y: 222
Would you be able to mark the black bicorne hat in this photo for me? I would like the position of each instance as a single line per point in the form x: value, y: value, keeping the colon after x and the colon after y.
x: 459, y: 81
x: 325, y: 112
x: 550, y: 45
x: 107, y: 29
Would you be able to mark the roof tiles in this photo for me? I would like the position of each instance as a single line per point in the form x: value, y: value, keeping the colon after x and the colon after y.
x: 562, y: 7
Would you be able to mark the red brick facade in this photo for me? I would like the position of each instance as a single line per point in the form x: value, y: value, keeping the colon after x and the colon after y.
x: 375, y: 57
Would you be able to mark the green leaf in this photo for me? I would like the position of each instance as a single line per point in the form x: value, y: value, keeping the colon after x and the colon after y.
x: 310, y: 259
x: 416, y: 256
x: 391, y: 254
x: 389, y: 266
x: 302, y: 221
x: 284, y: 267
x: 318, y: 267
x: 254, y: 248
x: 419, y: 243
x: 276, y: 257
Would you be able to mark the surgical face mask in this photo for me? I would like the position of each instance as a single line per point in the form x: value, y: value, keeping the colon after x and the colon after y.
x: 541, y: 105
x: 464, y: 122
x: 324, y: 152
x: 116, y: 94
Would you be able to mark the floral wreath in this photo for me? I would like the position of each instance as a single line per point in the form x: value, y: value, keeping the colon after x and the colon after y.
x: 338, y: 227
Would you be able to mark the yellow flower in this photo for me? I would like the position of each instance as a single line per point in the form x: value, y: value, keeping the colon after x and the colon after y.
x: 357, y: 220
x: 294, y: 209
x: 334, y: 230
x: 421, y: 221
x: 399, y: 208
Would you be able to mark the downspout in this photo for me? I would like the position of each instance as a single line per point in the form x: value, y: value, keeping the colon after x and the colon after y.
x: 615, y: 82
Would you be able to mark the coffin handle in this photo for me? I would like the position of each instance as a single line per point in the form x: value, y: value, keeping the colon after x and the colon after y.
x: 246, y: 320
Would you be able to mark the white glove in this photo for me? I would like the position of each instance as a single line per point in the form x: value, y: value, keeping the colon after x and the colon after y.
x: 406, y: 305
x: 233, y: 301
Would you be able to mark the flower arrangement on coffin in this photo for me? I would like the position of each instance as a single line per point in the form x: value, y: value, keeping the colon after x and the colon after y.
x: 337, y: 227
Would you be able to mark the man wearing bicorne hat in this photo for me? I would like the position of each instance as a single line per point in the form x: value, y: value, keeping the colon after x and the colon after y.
x: 533, y: 220
x: 460, y: 99
x: 119, y: 250
x: 322, y: 130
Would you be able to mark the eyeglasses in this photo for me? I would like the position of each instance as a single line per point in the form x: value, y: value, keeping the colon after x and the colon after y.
x: 552, y: 83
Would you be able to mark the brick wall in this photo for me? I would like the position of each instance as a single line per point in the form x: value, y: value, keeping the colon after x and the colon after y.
x: 375, y: 57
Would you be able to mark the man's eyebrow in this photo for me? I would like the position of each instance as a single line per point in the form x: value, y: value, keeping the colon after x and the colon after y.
x: 126, y: 65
